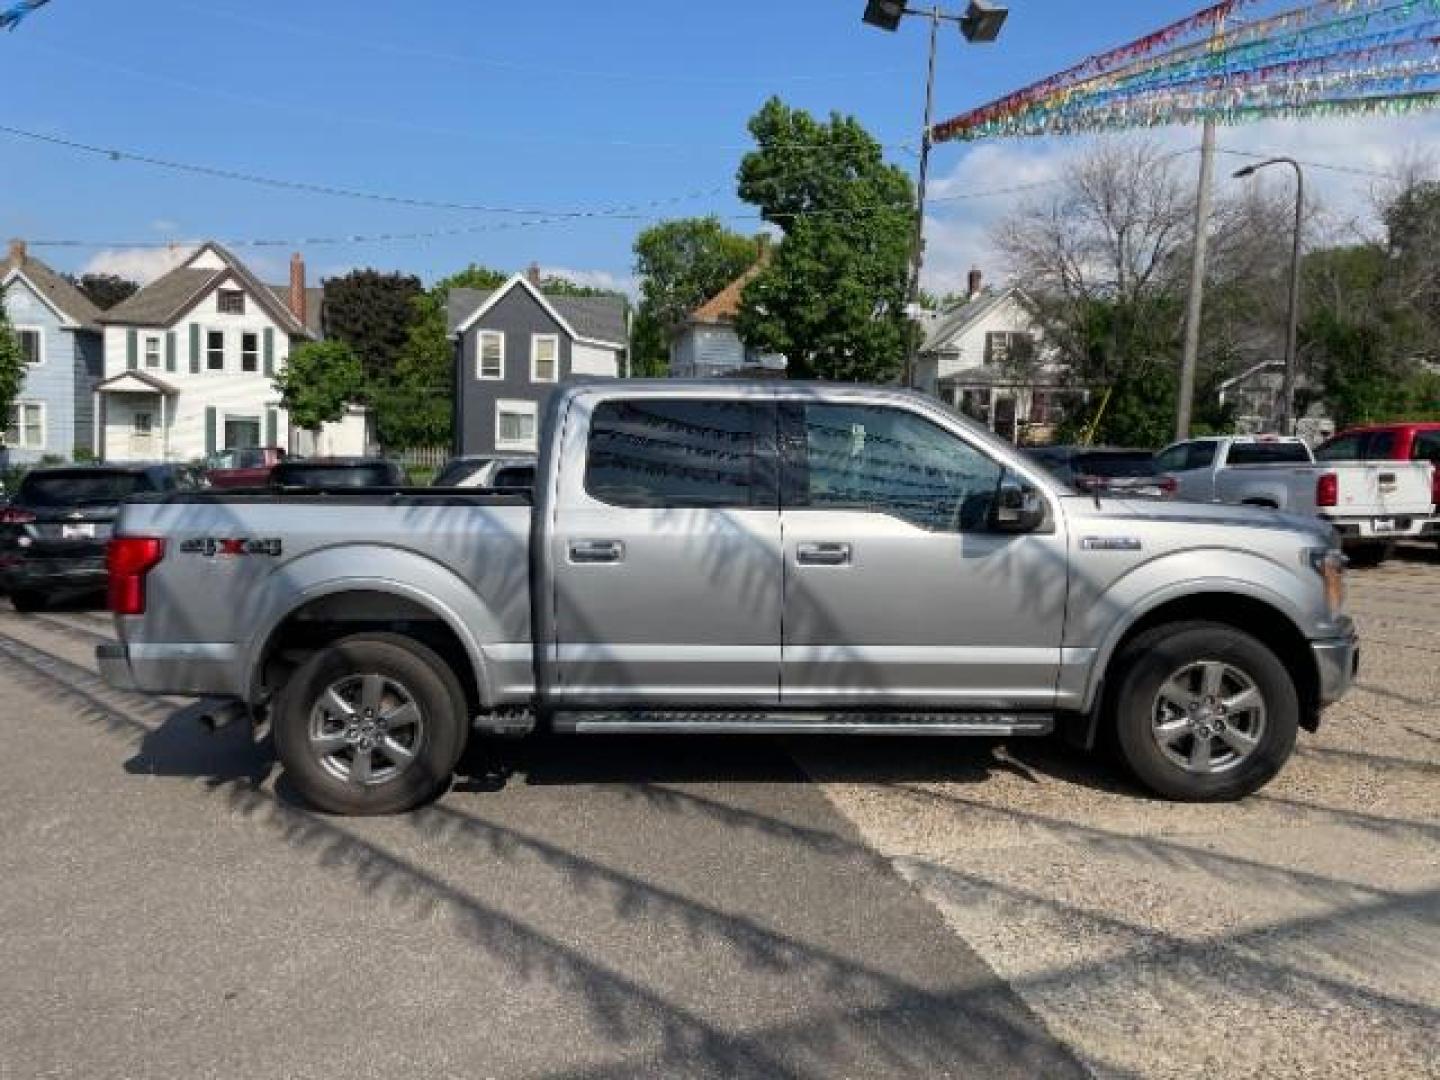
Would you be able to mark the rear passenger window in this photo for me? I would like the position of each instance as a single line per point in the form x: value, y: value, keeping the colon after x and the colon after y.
x: 873, y: 458
x: 676, y: 453
x: 1345, y: 448
x: 1381, y: 446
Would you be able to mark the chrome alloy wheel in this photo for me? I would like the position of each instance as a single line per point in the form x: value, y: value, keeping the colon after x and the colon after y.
x: 366, y: 729
x: 1208, y: 717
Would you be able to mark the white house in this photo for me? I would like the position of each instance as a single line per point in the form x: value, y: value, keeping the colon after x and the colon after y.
x: 190, y: 361
x: 709, y: 345
x: 987, y: 357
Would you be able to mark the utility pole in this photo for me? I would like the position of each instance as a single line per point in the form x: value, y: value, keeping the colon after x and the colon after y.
x: 1195, y: 303
x: 917, y: 251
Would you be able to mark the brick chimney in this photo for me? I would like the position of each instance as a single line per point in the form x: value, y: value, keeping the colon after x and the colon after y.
x: 533, y: 273
x: 976, y: 283
x: 17, y: 251
x: 297, y: 288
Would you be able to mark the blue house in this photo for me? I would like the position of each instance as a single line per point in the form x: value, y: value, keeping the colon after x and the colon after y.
x: 63, y: 347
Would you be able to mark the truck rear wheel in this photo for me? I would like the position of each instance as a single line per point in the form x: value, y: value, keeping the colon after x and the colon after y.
x: 373, y: 724
x: 1204, y: 712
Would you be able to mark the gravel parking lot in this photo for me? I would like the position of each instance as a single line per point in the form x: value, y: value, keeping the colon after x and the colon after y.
x: 741, y: 907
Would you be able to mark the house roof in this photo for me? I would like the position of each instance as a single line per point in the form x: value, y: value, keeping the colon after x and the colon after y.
x: 169, y: 296
x: 951, y: 324
x: 722, y: 308
x: 314, y: 302
x: 148, y: 381
x: 591, y: 318
x: 65, y: 298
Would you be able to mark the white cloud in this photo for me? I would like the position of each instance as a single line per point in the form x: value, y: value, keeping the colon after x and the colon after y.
x: 957, y: 229
x: 138, y: 264
x: 598, y: 279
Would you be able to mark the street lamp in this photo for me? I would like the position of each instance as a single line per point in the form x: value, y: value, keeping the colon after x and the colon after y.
x: 980, y: 24
x: 1292, y: 335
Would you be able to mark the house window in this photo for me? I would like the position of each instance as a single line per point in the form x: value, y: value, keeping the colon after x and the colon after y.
x: 32, y: 345
x: 152, y: 351
x: 142, y: 423
x: 215, y: 350
x: 490, y: 355
x: 975, y: 403
x: 544, y: 358
x: 1009, y: 347
x: 231, y: 302
x: 249, y: 352
x: 515, y: 425
x: 27, y: 426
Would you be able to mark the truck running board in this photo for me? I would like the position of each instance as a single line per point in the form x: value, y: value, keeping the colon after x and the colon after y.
x: 802, y: 723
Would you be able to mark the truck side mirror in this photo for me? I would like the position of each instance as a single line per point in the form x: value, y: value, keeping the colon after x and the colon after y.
x: 1018, y: 507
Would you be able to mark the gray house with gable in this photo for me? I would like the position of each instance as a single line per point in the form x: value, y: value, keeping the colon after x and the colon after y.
x: 59, y: 336
x: 513, y: 346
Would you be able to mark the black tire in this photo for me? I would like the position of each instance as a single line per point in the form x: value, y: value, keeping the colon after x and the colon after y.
x: 27, y: 600
x: 1149, y: 663
x: 1369, y: 555
x: 436, y: 743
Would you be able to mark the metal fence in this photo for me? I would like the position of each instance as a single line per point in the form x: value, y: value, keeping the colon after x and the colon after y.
x: 420, y: 457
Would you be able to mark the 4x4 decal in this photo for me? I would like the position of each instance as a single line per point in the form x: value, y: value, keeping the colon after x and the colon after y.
x: 226, y: 546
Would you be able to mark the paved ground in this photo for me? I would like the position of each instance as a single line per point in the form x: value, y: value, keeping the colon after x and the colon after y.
x: 584, y: 908
x: 674, y: 907
x: 1296, y: 934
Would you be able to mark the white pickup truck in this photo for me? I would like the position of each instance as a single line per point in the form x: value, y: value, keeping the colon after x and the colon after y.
x: 1370, y: 503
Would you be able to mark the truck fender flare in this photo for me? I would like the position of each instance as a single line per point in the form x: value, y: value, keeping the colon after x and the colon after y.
x: 1138, y: 609
x: 328, y: 579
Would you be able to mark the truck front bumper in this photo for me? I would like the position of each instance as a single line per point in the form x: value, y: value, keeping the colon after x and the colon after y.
x: 1338, y: 662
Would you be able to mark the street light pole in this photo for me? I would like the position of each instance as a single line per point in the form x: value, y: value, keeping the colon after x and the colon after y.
x: 1292, y: 332
x: 980, y: 24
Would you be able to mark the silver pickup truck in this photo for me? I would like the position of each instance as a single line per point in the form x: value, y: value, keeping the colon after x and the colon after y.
x: 723, y: 557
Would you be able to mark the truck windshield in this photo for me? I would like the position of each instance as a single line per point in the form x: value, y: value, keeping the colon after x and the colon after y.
x: 89, y: 487
x: 1116, y: 465
x: 333, y: 476
x: 1269, y: 453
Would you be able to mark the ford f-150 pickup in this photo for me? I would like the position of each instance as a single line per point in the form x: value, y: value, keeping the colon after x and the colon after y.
x: 725, y: 557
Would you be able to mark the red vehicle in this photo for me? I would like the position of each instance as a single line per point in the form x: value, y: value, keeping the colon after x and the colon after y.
x: 1391, y: 442
x: 245, y: 468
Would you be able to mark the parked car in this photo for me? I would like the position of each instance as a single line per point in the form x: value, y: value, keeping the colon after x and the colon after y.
x: 736, y: 557
x: 1096, y: 470
x: 337, y: 473
x: 53, y: 533
x: 249, y: 467
x: 506, y: 473
x: 1369, y: 504
x: 1392, y: 442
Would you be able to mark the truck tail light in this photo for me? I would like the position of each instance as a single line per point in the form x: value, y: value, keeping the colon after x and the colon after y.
x: 12, y: 516
x: 1169, y: 487
x: 128, y: 559
x: 1327, y: 490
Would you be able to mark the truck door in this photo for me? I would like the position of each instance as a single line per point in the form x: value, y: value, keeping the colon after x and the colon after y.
x: 666, y: 552
x: 898, y: 590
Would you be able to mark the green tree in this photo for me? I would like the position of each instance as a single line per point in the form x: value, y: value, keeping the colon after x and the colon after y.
x: 681, y: 264
x: 832, y: 298
x: 559, y: 285
x: 104, y: 290
x: 417, y: 406
x: 12, y: 367
x: 373, y: 313
x: 318, y: 381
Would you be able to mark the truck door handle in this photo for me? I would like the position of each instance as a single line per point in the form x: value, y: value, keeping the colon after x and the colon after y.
x: 596, y: 551
x: 822, y: 554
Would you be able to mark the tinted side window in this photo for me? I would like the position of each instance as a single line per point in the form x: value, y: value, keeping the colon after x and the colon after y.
x: 885, y: 460
x: 1175, y: 459
x: 1426, y: 447
x: 676, y: 453
x: 1201, y: 455
x: 1345, y: 448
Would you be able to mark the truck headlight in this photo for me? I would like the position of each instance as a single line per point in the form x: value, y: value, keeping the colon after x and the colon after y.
x: 1330, y: 564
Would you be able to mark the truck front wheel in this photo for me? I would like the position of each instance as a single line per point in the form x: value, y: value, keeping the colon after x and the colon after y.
x: 1204, y: 712
x: 373, y: 724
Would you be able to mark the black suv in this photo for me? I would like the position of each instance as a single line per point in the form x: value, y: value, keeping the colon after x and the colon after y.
x: 53, y: 533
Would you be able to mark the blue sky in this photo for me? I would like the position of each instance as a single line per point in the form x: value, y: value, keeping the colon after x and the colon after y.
x: 564, y: 105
